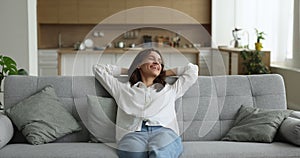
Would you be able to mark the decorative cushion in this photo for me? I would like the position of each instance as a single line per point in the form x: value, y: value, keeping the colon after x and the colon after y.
x: 295, y: 114
x: 290, y: 129
x: 6, y: 130
x: 102, y: 118
x: 254, y: 124
x: 42, y: 118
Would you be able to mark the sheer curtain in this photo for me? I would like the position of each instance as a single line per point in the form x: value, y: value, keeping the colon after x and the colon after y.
x: 296, y: 42
x: 274, y: 17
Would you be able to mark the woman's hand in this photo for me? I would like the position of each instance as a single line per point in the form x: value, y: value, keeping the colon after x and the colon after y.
x: 124, y: 71
x: 170, y: 72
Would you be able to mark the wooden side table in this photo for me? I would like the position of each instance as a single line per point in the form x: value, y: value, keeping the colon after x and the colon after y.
x: 235, y: 63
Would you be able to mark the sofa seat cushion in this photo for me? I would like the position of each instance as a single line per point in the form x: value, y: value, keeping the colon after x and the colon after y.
x: 221, y: 149
x: 58, y: 150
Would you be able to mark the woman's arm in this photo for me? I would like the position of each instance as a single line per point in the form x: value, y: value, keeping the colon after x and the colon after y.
x: 187, y: 77
x: 105, y: 73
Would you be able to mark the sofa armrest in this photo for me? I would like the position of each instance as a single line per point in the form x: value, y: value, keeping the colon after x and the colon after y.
x: 6, y: 130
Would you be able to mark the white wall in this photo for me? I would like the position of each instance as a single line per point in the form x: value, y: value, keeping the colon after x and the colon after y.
x: 291, y: 79
x: 18, y: 33
x: 223, y: 21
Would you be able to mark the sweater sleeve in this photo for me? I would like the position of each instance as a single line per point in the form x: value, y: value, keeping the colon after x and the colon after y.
x: 187, y: 76
x: 105, y: 74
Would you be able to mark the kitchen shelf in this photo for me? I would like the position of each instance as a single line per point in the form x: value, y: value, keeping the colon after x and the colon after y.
x: 123, y: 50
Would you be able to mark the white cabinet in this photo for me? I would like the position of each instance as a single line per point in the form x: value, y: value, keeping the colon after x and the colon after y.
x: 177, y: 59
x: 205, y: 62
x: 211, y: 62
x: 220, y: 63
x: 47, y: 62
x: 125, y: 60
x: 81, y: 64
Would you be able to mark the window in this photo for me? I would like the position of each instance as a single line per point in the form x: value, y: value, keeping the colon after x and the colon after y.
x: 274, y: 17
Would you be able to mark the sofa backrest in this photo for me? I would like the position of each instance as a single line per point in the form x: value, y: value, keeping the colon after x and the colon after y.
x: 209, y: 107
x: 205, y: 112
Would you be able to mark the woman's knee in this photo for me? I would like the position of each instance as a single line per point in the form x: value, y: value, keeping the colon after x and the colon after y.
x: 133, y: 143
x: 164, y: 138
x: 172, y: 150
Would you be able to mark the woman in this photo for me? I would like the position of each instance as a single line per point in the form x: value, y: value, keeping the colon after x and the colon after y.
x: 146, y: 117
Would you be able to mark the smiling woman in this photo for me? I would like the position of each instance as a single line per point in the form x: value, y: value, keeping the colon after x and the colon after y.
x: 146, y: 117
x: 147, y: 67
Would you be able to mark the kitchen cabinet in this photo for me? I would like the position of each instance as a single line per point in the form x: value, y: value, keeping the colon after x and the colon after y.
x: 201, y: 11
x: 220, y: 63
x: 57, y: 11
x: 67, y: 11
x: 115, y: 6
x: 94, y: 11
x: 81, y: 63
x: 73, y: 65
x: 131, y: 17
x: 198, y: 9
x: 47, y: 62
x: 212, y: 62
x: 47, y: 11
x: 205, y: 62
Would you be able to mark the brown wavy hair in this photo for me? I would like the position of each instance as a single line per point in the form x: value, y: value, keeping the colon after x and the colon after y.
x: 134, y: 73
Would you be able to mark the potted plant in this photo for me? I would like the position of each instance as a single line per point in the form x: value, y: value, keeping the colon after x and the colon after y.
x: 260, y: 36
x: 9, y: 67
x: 253, y: 62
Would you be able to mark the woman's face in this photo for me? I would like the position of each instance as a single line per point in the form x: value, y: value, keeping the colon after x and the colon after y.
x: 151, y: 65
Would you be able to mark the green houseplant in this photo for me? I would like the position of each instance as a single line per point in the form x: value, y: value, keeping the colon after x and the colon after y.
x: 259, y: 37
x: 253, y: 62
x: 9, y: 67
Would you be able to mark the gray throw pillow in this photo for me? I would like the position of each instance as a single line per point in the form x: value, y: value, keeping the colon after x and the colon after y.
x: 6, y: 130
x: 254, y: 124
x: 101, y: 118
x: 290, y: 129
x: 42, y: 118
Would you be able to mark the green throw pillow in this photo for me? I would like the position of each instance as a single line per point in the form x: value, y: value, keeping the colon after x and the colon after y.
x: 257, y: 125
x: 42, y: 118
x: 101, y: 118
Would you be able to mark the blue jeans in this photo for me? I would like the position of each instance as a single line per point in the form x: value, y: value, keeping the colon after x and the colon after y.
x: 150, y: 142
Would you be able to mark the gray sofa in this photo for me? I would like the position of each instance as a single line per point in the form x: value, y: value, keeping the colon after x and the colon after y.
x: 205, y: 114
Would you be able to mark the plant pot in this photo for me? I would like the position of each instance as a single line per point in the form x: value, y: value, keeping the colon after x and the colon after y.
x: 258, y: 46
